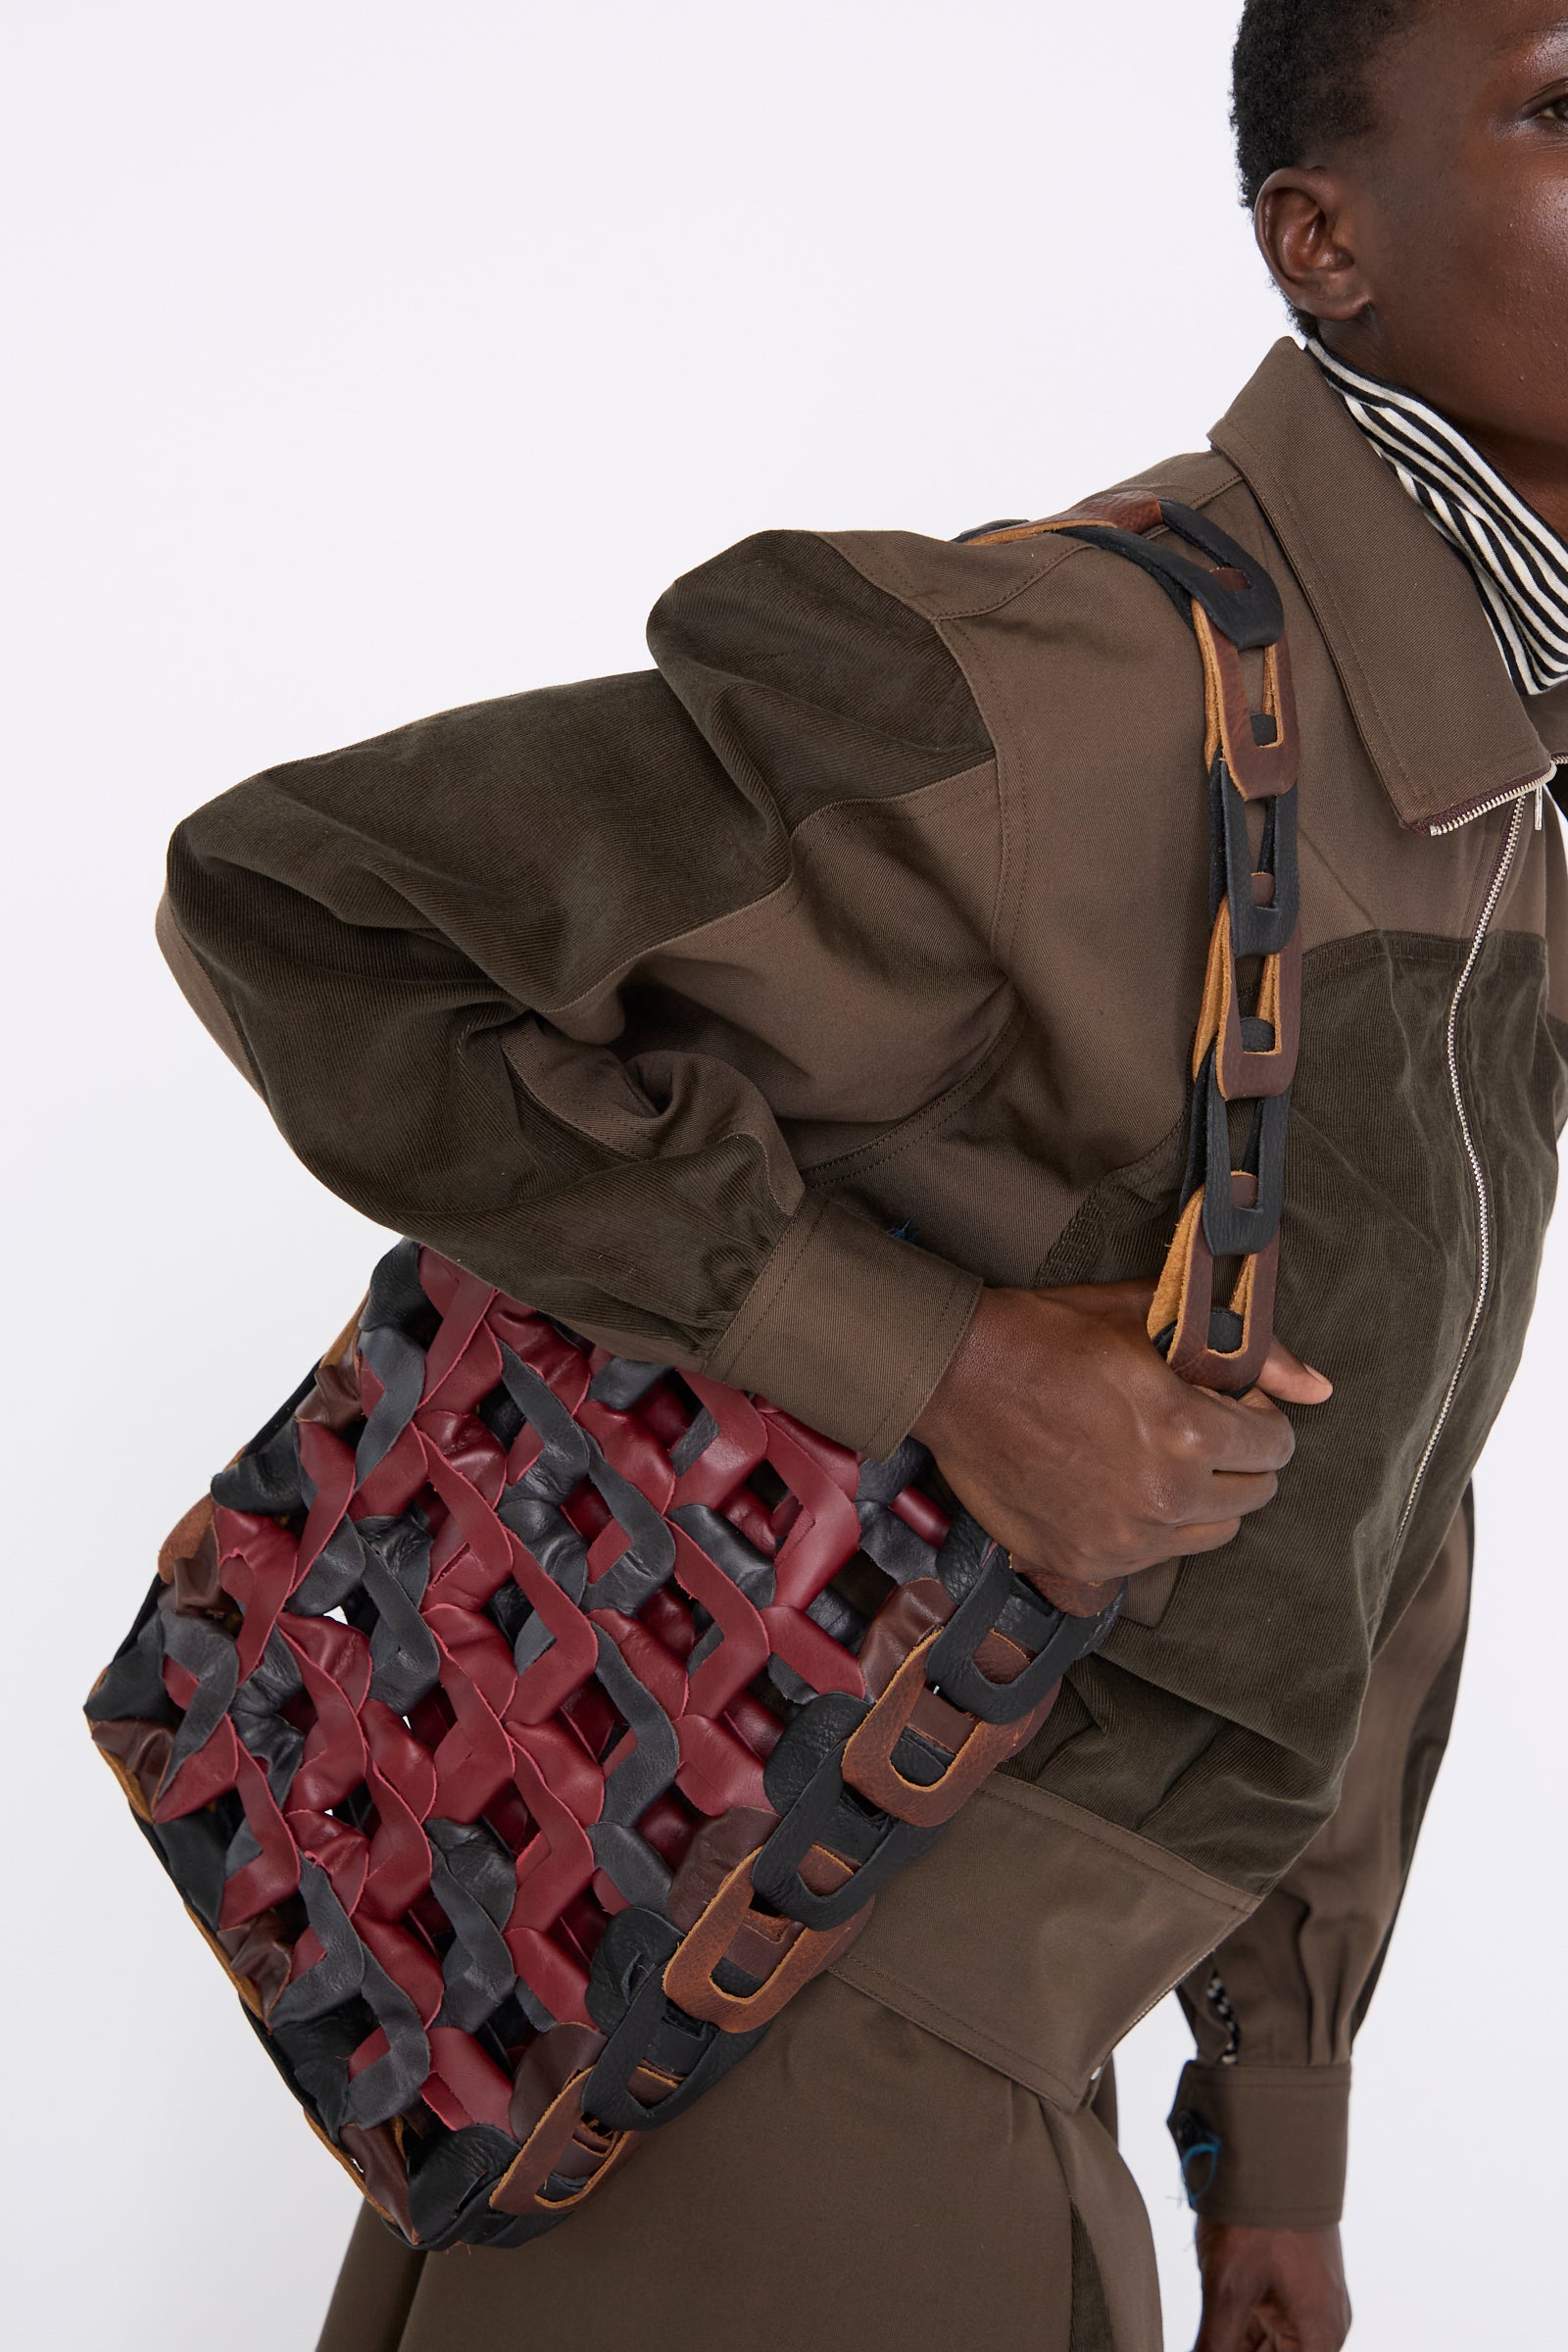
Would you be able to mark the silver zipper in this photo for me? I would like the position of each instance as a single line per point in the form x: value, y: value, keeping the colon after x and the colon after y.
x: 1502, y: 800
x: 1510, y: 849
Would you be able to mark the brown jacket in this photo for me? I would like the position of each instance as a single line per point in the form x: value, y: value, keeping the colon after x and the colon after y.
x: 676, y: 1002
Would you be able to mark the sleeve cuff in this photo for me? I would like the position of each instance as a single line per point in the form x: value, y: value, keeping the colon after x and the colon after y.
x: 848, y: 1327
x: 1263, y: 2147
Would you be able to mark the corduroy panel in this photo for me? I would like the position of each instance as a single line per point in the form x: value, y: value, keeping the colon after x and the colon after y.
x: 802, y: 675
x: 200, y: 994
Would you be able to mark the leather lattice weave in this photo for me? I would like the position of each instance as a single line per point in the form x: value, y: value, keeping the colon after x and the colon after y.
x: 462, y: 1655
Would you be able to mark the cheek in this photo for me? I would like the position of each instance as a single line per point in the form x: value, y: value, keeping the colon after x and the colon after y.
x: 1488, y: 278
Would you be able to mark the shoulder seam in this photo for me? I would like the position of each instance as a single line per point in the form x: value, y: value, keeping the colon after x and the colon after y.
x: 1065, y: 549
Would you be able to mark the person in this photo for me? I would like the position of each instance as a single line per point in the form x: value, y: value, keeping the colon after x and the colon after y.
x: 814, y: 1009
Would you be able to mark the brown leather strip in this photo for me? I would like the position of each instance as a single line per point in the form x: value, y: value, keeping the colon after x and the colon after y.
x: 335, y: 1398
x: 904, y: 1620
x: 138, y: 1754
x: 1066, y: 1595
x: 258, y: 1955
x: 1169, y: 1303
x: 1185, y: 1297
x: 730, y: 1929
x: 1260, y: 772
x: 187, y: 1559
x: 868, y: 1766
x: 381, y: 2180
x: 1253, y: 1300
x: 564, y: 2140
x: 547, y: 2065
x: 1121, y: 509
x: 711, y: 1858
x: 1244, y: 1075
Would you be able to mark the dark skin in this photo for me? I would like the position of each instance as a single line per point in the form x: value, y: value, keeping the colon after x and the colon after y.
x: 1076, y: 1446
x: 1271, y: 2291
x: 1432, y: 252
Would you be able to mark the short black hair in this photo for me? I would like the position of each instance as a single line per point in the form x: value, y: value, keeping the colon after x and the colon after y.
x: 1301, y: 78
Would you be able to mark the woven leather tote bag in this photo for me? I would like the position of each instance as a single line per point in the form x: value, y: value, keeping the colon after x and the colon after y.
x: 522, y: 1725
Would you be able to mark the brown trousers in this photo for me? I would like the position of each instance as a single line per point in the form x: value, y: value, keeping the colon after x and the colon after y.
x: 857, y: 2186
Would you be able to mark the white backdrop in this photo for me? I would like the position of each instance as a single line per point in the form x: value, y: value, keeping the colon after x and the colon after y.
x: 376, y: 358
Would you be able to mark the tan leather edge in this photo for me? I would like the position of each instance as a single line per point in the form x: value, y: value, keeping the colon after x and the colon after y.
x: 200, y: 994
x: 127, y: 1782
x: 1035, y: 1935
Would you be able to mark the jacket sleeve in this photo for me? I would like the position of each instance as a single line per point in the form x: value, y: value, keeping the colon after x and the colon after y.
x: 1262, y: 2115
x: 444, y: 959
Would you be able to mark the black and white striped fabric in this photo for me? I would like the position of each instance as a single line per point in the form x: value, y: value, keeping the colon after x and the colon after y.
x: 1519, y: 563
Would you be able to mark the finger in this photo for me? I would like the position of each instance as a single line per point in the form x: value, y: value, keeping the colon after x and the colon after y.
x: 1244, y: 1435
x: 1238, y: 1493
x: 1210, y: 1536
x: 1227, y: 2329
x: 1074, y: 1596
x: 1285, y: 1375
x: 1230, y: 1494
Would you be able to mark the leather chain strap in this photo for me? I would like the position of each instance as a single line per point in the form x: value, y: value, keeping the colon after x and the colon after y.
x: 960, y: 1673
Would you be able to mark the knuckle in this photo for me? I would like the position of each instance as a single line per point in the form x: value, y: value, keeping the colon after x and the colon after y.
x: 1190, y: 1434
x: 1163, y: 1503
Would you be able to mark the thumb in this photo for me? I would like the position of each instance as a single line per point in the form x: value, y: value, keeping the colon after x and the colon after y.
x: 1284, y: 1375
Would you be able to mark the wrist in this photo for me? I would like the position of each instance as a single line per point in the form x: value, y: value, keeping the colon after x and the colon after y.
x: 950, y: 1409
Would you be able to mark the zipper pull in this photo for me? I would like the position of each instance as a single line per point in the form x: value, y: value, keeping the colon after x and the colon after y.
x: 1541, y: 808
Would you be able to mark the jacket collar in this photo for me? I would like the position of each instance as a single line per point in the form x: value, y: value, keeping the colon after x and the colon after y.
x: 1441, y: 720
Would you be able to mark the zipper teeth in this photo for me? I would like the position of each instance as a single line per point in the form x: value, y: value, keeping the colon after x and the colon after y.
x: 1498, y: 799
x: 1477, y: 1172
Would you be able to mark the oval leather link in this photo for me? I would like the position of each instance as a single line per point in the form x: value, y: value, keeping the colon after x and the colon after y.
x: 868, y: 1764
x: 803, y: 1953
x: 520, y: 2188
x: 1259, y: 770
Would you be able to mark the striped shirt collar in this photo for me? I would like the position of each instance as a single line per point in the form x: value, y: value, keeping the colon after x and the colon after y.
x: 1520, y: 565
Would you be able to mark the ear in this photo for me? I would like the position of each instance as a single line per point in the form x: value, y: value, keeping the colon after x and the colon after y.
x: 1304, y: 233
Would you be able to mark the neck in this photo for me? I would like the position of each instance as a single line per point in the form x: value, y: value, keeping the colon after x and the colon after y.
x: 1535, y: 470
x: 1536, y: 474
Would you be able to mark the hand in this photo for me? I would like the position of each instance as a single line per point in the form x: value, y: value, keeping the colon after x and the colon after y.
x: 1271, y: 2291
x: 1074, y: 1444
